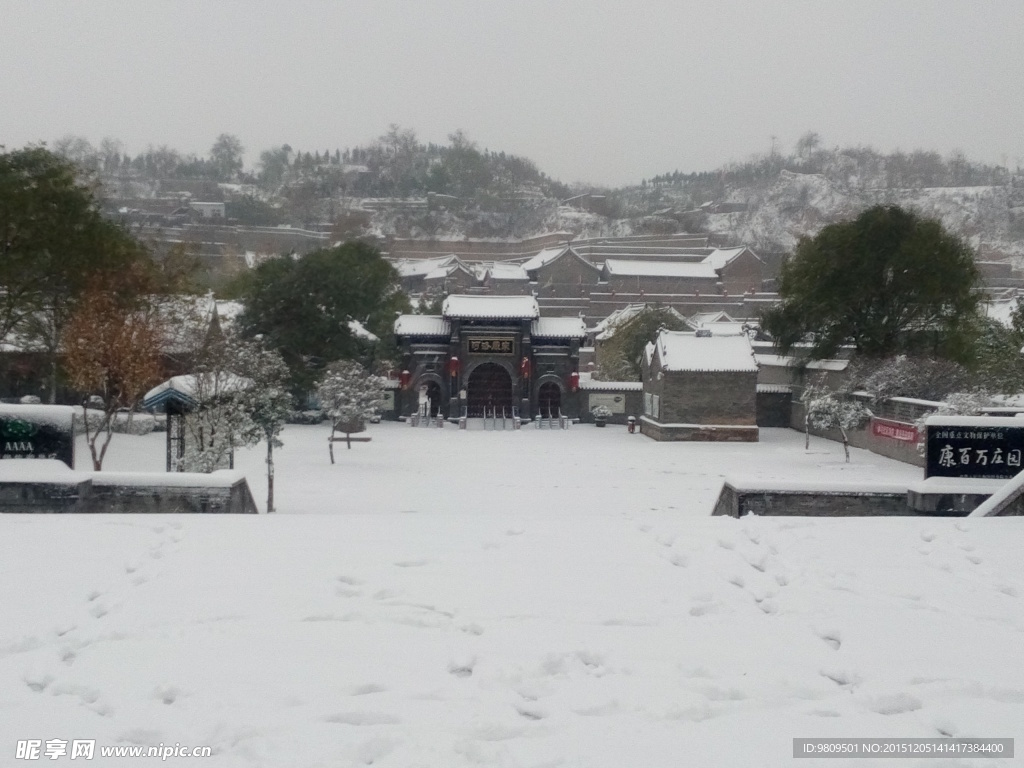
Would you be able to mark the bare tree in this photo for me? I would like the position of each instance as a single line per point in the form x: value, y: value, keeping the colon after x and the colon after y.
x: 112, y: 352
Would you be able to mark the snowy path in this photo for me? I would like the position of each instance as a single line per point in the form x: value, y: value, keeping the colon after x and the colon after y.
x: 610, y: 624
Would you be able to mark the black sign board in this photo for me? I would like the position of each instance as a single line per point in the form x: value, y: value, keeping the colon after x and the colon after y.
x: 974, y: 451
x: 492, y: 346
x: 21, y: 438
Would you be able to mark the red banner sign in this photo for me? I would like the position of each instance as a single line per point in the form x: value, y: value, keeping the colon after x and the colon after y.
x: 894, y: 430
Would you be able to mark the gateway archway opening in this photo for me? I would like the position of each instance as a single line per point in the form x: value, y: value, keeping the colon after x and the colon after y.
x: 549, y: 399
x: 490, y: 387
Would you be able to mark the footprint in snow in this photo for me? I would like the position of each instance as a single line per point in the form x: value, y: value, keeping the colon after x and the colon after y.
x: 927, y: 536
x: 842, y: 677
x: 974, y: 559
x: 679, y: 560
x: 833, y: 638
x: 93, y: 595
x: 1007, y: 589
x: 167, y: 694
x: 363, y: 718
x: 411, y: 563
x: 531, y: 712
x: 38, y: 683
x: 365, y: 690
x: 462, y: 667
x: 702, y: 609
x: 895, y: 704
x: 99, y: 610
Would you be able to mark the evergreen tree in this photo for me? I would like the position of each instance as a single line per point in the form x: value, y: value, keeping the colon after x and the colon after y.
x: 302, y: 307
x: 887, y: 281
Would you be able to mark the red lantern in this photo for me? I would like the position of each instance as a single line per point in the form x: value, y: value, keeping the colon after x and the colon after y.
x: 524, y: 368
x: 404, y: 378
x: 574, y: 381
x: 453, y: 366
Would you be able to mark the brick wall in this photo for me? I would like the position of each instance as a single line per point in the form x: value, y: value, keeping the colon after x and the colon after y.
x: 692, y: 397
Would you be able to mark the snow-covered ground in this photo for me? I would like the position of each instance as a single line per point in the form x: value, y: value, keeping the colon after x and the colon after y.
x: 536, y: 598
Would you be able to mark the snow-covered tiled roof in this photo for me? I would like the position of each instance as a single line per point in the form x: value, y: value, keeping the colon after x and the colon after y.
x: 502, y: 271
x: 683, y: 351
x: 544, y: 257
x: 606, y: 328
x: 659, y: 268
x: 188, y: 388
x: 491, y: 307
x: 420, y: 267
x: 719, y: 257
x: 422, y: 325
x: 712, y: 317
x: 559, y: 328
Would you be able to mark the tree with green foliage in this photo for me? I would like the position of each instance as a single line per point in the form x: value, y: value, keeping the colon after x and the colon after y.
x: 302, y: 307
x: 888, y: 281
x: 54, y: 243
x: 226, y: 156
x: 620, y: 355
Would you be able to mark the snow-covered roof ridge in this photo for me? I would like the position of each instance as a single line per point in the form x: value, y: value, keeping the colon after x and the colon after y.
x: 419, y: 267
x: 500, y: 270
x: 559, y: 327
x: 720, y: 257
x: 491, y: 307
x: 422, y: 325
x: 631, y: 268
x: 545, y: 257
x: 606, y: 328
x: 685, y: 351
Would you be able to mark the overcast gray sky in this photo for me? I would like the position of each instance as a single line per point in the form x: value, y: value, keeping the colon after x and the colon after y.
x: 599, y: 91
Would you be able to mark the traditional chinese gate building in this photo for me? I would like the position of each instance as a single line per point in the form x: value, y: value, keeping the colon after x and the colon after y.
x: 490, y: 353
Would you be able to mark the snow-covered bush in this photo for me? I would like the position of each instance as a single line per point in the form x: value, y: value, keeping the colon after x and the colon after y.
x: 925, y: 378
x: 349, y: 396
x: 826, y: 409
x: 956, y: 404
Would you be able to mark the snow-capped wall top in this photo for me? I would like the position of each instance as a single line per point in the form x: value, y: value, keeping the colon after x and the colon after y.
x: 59, y: 416
x: 788, y: 361
x: 422, y: 325
x: 559, y: 328
x: 491, y: 307
x: 939, y: 420
x: 683, y: 351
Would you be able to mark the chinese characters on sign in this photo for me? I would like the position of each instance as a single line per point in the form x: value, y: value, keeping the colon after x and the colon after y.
x: 894, y: 430
x: 491, y: 346
x: 994, y: 452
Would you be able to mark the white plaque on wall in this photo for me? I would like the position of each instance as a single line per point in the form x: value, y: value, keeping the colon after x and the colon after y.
x: 616, y: 403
